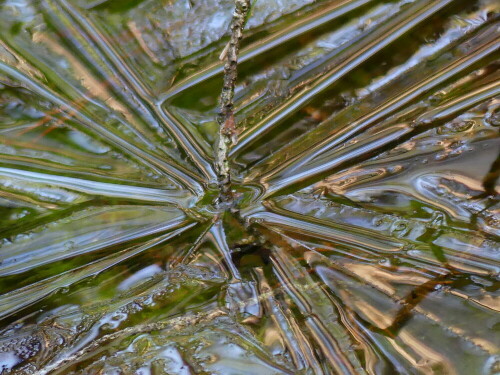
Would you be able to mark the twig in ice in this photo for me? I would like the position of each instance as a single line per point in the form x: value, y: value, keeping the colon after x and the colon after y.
x: 227, y: 126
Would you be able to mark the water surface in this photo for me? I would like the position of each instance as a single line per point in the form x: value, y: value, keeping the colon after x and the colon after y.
x: 365, y: 175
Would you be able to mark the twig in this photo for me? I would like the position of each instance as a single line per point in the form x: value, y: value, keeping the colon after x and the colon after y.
x: 227, y: 126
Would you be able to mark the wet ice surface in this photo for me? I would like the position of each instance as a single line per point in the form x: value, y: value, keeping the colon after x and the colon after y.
x: 365, y: 173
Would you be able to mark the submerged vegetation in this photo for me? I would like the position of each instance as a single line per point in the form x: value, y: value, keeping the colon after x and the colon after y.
x: 334, y: 211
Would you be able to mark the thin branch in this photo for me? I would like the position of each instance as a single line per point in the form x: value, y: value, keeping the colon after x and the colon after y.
x: 225, y: 118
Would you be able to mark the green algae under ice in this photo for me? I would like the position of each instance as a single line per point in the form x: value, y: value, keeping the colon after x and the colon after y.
x: 363, y: 231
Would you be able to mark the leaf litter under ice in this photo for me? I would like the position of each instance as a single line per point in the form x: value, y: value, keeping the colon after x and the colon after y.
x: 365, y: 178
